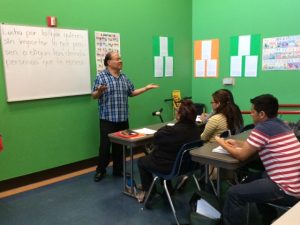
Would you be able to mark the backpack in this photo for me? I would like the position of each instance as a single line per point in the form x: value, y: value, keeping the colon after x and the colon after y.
x: 295, y: 126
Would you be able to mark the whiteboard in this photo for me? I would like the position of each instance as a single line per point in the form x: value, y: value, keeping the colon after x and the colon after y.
x: 41, y: 62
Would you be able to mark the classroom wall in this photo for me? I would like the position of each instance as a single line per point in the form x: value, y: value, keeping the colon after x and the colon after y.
x: 47, y: 133
x: 224, y: 19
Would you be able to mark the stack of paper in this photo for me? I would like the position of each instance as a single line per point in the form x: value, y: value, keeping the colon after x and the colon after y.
x: 219, y: 149
x: 145, y: 131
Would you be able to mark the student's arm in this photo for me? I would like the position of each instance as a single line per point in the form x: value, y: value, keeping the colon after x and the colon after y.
x: 143, y: 89
x: 240, y: 150
x: 210, y: 128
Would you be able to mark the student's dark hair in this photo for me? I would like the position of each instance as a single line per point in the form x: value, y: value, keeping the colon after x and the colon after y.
x: 229, y: 109
x: 230, y: 94
x: 187, y: 111
x: 107, y: 57
x: 267, y: 103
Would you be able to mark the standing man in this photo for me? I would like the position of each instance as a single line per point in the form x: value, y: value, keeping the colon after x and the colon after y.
x: 112, y: 88
x: 279, y: 151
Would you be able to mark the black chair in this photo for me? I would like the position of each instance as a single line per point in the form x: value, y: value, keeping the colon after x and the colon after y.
x: 225, y: 134
x: 200, y: 108
x: 183, y: 165
x: 248, y: 127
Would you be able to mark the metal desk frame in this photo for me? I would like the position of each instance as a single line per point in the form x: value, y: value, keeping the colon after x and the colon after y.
x: 204, y: 155
x: 130, y: 143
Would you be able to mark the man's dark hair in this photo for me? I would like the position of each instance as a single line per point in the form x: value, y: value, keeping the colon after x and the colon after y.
x: 267, y: 103
x: 187, y: 111
x: 107, y: 57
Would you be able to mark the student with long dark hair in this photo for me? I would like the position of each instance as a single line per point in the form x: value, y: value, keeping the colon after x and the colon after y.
x: 226, y: 116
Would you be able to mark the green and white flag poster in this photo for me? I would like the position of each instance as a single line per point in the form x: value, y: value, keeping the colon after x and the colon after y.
x: 163, y: 52
x: 244, y: 53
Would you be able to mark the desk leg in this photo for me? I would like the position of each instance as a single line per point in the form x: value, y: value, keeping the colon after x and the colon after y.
x: 218, y: 182
x: 129, y: 192
x: 124, y: 168
x: 131, y: 170
x: 206, y: 174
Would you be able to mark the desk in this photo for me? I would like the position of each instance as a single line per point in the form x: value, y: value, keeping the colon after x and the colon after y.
x: 131, y: 143
x: 291, y: 217
x: 205, y: 156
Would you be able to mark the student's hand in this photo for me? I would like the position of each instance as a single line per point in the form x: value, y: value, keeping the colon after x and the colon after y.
x: 203, y: 116
x: 228, y: 142
x: 220, y: 140
x: 231, y: 142
x: 151, y: 86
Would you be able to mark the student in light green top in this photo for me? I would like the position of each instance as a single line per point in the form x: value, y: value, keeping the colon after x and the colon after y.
x: 226, y: 116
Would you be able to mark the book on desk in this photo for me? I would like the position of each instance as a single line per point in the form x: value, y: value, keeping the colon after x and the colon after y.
x: 130, y: 134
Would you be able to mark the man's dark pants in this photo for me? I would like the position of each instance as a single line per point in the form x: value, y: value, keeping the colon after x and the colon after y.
x: 107, y: 127
x: 260, y: 191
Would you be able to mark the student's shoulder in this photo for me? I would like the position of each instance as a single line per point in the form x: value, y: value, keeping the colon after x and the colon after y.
x: 217, y: 117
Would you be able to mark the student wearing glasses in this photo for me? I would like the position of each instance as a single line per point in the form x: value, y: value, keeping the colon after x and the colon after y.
x: 226, y: 116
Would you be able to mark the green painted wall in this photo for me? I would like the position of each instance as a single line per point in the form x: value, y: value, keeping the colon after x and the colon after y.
x: 47, y: 133
x: 224, y: 19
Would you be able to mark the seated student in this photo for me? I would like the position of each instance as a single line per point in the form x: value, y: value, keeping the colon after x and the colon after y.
x: 205, y: 116
x: 279, y: 150
x: 225, y: 116
x: 168, y: 141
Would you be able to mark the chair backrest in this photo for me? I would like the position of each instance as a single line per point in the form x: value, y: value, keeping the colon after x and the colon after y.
x: 183, y: 162
x: 200, y: 108
x: 225, y: 134
x: 248, y: 127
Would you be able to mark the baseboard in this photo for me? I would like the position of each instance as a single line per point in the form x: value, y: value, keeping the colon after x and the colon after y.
x: 46, y: 174
x: 52, y: 173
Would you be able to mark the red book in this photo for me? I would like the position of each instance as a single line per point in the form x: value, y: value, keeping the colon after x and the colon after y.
x: 128, y: 134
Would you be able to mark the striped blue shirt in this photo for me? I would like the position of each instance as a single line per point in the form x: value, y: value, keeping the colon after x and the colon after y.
x: 113, y: 103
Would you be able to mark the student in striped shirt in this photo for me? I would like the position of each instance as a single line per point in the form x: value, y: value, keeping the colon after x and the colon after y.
x: 279, y: 151
x: 226, y: 115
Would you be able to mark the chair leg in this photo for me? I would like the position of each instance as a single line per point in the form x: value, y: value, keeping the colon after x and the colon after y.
x: 170, y: 201
x: 248, y: 214
x: 150, y: 190
x: 196, y: 182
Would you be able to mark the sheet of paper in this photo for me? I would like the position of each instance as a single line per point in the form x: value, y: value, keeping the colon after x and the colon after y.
x: 251, y: 66
x: 163, y: 42
x: 200, y: 68
x: 169, y: 66
x: 211, y: 68
x: 236, y: 66
x: 206, y: 209
x: 244, y: 45
x: 170, y: 124
x: 145, y: 131
x: 206, y: 50
x: 158, y: 66
x: 219, y: 149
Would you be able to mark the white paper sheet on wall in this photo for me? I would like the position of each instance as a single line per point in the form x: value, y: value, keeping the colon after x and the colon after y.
x: 236, y: 66
x: 244, y: 45
x: 158, y: 66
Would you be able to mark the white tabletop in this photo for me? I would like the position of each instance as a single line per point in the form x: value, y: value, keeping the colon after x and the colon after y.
x: 291, y: 217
